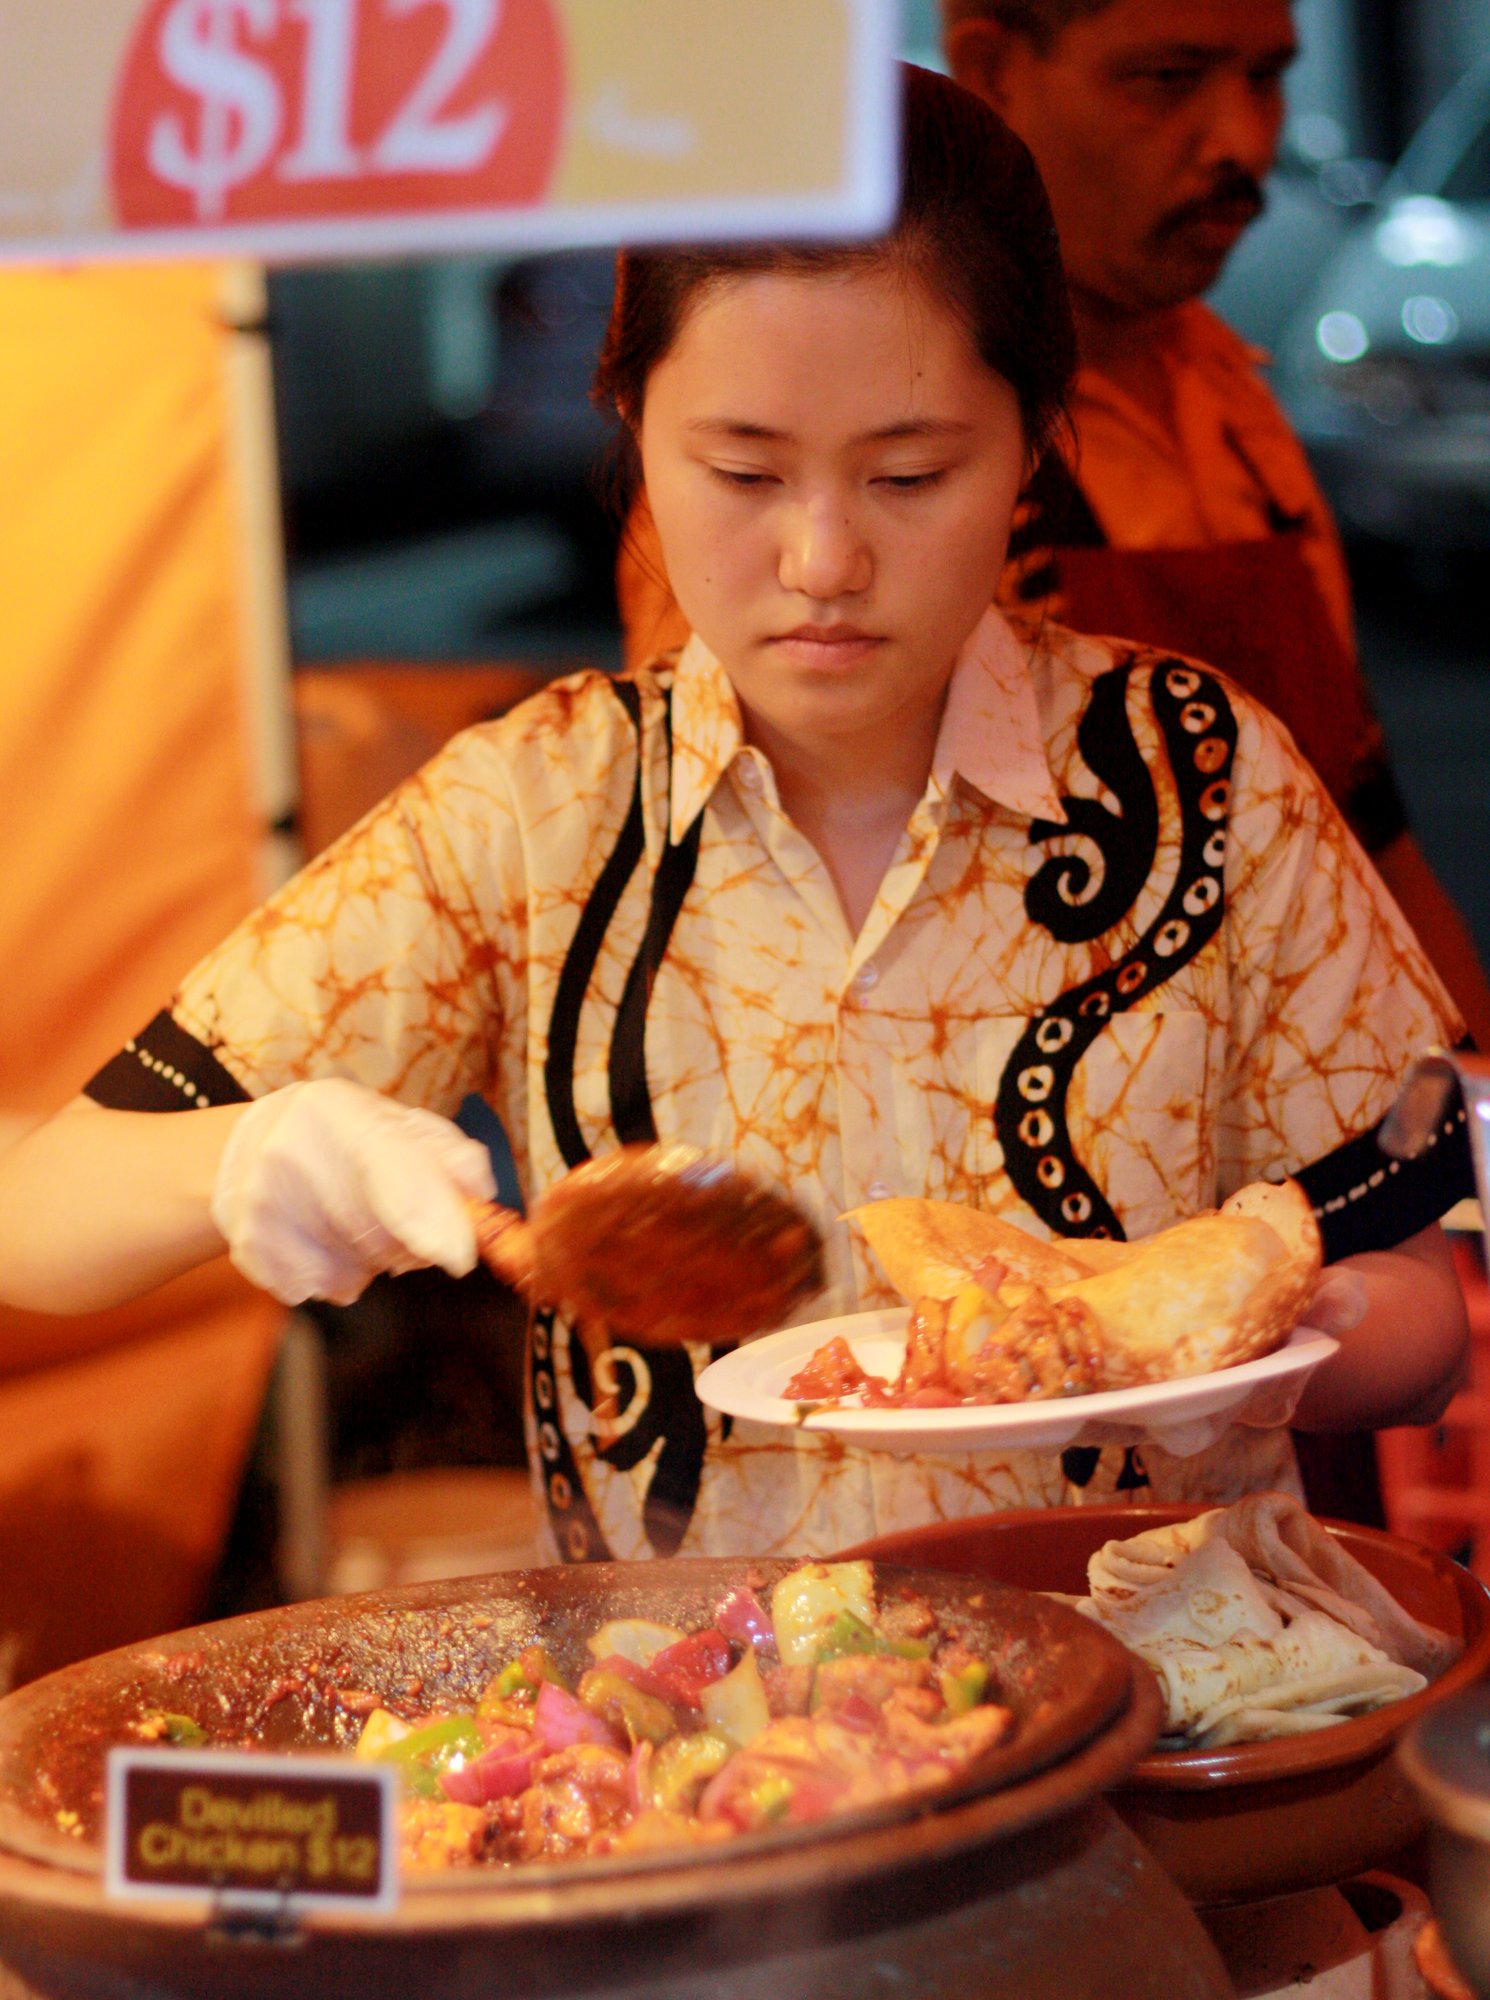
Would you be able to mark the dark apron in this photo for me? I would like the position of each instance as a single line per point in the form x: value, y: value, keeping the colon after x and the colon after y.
x: 1254, y: 610
x: 1251, y: 608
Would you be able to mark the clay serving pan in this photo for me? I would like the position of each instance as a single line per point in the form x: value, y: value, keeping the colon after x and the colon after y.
x: 1085, y: 1711
x: 281, y: 1679
x: 1254, y: 1819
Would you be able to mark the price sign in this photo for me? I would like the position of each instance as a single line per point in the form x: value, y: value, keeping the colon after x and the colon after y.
x: 232, y: 110
x: 259, y: 1833
x: 283, y: 128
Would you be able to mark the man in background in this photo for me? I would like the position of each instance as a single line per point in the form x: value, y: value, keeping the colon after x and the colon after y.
x: 1186, y: 514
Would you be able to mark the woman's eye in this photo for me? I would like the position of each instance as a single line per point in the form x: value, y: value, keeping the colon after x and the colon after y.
x: 735, y: 476
x: 910, y: 482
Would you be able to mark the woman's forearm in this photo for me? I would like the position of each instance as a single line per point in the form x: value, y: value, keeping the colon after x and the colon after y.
x: 98, y: 1206
x: 1403, y: 1361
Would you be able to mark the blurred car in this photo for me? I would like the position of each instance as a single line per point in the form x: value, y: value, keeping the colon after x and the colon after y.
x: 1385, y: 369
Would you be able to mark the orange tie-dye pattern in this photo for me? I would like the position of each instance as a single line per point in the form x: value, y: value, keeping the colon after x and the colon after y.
x: 425, y: 955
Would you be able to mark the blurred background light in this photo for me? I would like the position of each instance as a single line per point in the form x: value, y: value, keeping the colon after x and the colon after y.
x: 1430, y: 320
x: 1341, y: 337
x: 1421, y: 229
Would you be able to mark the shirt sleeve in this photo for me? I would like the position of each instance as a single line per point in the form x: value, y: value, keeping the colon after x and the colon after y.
x: 391, y: 959
x: 1331, y: 1000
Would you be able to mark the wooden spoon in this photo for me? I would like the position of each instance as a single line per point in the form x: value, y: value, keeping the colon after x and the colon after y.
x: 661, y: 1243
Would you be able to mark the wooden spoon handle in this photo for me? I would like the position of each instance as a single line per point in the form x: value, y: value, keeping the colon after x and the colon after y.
x: 506, y: 1245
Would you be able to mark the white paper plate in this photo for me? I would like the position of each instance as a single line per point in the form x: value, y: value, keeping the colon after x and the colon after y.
x: 1183, y: 1416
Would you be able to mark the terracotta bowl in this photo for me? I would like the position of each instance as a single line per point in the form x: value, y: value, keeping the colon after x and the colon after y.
x: 983, y: 1888
x: 1255, y: 1819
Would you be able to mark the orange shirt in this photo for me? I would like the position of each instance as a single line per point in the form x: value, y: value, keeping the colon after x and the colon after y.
x: 1226, y: 468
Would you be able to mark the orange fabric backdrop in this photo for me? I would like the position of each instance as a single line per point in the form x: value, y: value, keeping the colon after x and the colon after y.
x: 130, y: 844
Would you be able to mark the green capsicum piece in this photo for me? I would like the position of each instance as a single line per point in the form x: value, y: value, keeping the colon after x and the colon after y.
x: 849, y: 1633
x: 182, y: 1730
x: 510, y: 1696
x: 964, y: 1689
x: 424, y: 1753
x: 684, y: 1765
x: 771, y: 1797
x: 643, y: 1716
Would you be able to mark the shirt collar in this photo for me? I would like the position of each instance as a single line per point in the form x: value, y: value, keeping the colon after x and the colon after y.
x: 990, y: 733
x: 707, y: 733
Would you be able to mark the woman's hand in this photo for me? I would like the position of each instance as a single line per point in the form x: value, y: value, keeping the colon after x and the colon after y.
x: 1400, y: 1318
x: 324, y: 1185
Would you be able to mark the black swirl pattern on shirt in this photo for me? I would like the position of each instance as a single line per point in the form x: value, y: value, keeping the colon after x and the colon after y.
x: 655, y: 1408
x: 1199, y: 731
x: 1058, y: 897
x: 570, y: 1514
x: 584, y: 951
x: 663, y: 1380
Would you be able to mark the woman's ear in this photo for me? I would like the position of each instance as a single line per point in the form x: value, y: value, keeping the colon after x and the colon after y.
x: 978, y: 52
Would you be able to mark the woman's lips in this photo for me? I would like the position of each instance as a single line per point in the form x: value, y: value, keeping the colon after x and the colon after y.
x: 826, y: 645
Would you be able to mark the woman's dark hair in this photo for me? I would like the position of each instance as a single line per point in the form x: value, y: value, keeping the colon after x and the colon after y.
x: 973, y: 224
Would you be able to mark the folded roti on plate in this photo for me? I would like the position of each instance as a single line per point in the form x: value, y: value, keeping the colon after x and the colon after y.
x: 1281, y: 1540
x: 1222, y: 1288
x: 1240, y: 1652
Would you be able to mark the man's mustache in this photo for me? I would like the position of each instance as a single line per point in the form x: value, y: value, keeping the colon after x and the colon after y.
x: 1234, y: 196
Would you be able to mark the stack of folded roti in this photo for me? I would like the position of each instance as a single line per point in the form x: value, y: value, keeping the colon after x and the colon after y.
x: 1259, y: 1624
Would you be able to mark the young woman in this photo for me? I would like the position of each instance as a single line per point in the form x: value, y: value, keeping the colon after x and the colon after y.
x: 864, y: 889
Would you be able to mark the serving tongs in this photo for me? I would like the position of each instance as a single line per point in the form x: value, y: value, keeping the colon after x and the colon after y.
x: 661, y: 1243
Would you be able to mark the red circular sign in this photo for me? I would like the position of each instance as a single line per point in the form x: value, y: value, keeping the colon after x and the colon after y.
x: 234, y: 111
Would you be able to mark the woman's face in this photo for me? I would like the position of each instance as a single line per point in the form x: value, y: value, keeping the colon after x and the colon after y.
x: 832, y: 470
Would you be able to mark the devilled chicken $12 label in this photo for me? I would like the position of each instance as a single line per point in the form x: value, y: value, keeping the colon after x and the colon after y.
x: 249, y: 1830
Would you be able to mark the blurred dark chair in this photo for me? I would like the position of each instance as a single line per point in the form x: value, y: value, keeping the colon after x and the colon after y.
x: 362, y: 727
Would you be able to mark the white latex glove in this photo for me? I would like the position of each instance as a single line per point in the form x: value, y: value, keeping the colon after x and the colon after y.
x: 325, y: 1184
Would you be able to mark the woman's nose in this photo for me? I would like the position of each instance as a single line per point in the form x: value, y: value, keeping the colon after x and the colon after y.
x: 823, y: 553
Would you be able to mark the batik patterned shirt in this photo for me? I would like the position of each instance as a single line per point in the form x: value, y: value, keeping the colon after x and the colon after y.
x: 1125, y: 960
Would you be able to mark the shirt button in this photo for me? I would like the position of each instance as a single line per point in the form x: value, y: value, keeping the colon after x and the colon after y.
x: 866, y: 978
x: 877, y: 1191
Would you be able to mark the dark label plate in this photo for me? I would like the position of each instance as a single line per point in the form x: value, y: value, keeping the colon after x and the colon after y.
x: 251, y: 1831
